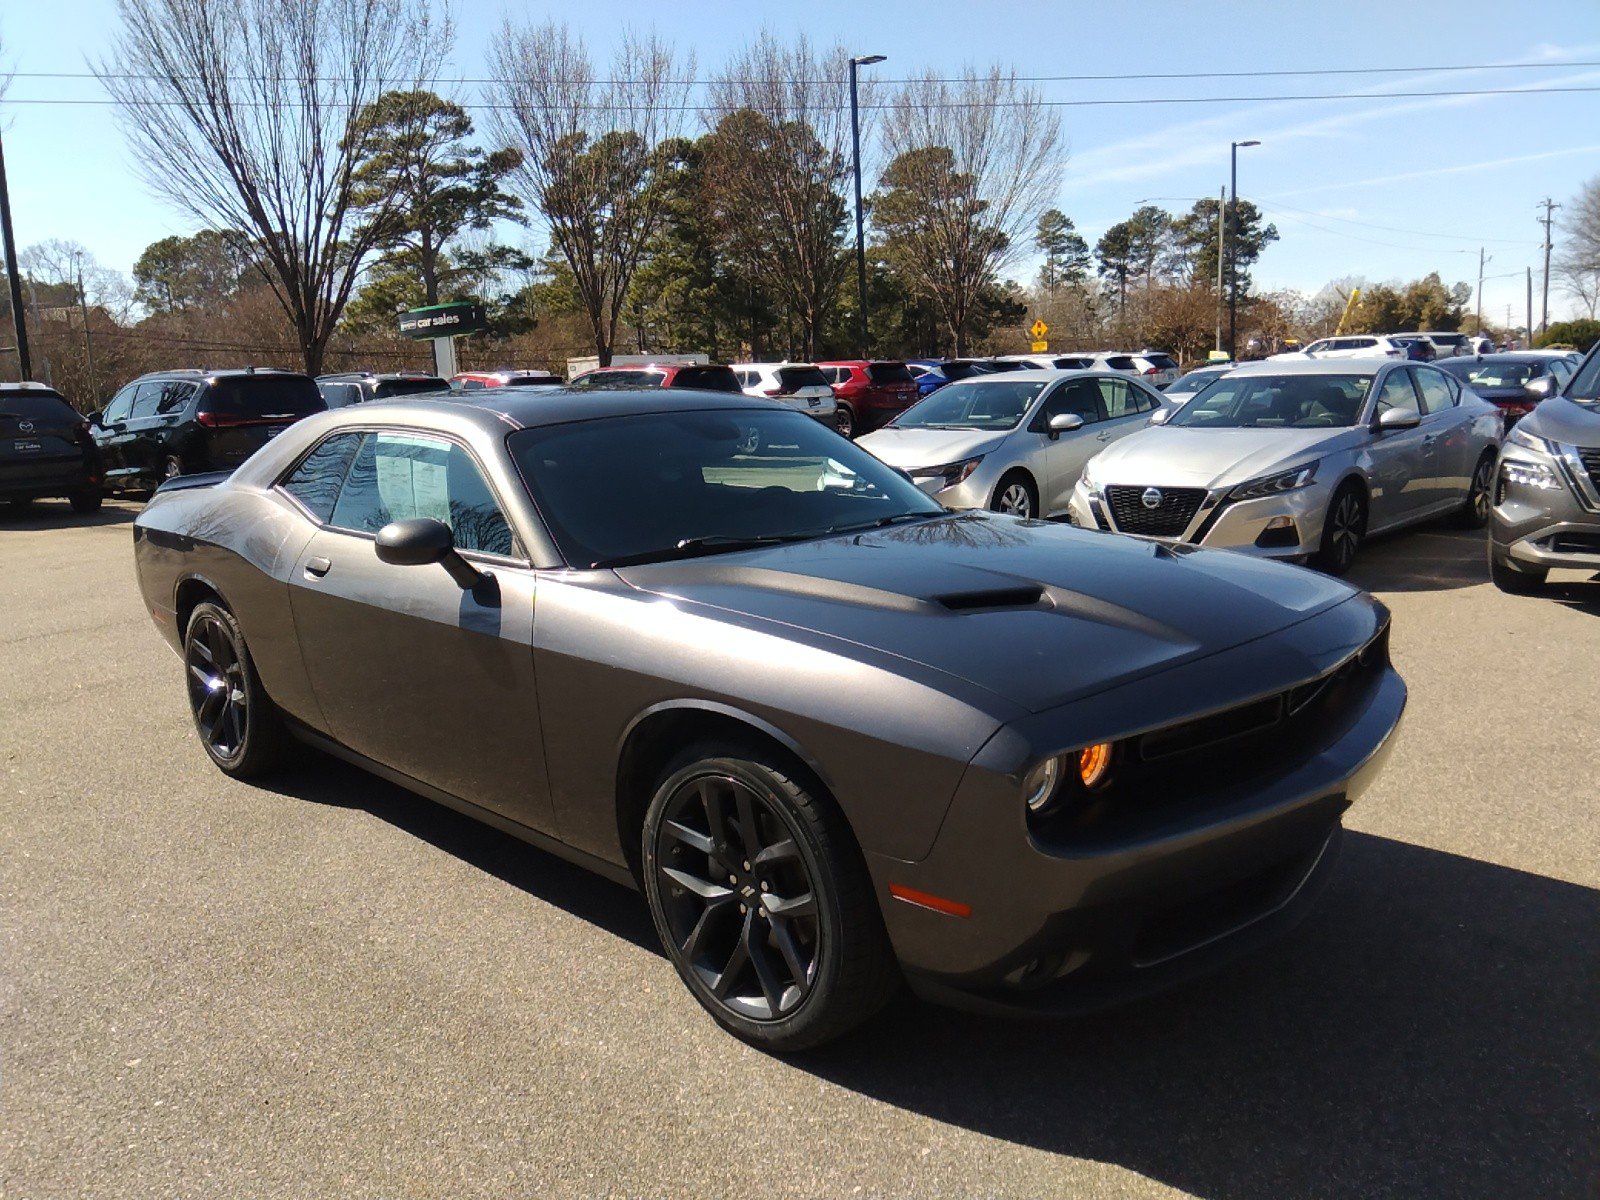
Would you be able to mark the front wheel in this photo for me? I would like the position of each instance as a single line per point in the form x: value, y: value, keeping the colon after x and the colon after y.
x: 844, y: 420
x: 762, y: 901
x: 1342, y: 530
x: 1016, y: 494
x: 172, y: 468
x: 240, y: 728
x: 1474, y: 512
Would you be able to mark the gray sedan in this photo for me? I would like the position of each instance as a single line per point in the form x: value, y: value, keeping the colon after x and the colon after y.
x: 1301, y: 460
x: 1014, y: 443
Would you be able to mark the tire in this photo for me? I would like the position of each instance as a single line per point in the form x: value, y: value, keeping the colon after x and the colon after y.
x: 86, y: 500
x: 1515, y: 581
x: 1343, y: 529
x: 172, y: 468
x: 729, y: 828
x: 1016, y: 494
x: 844, y: 419
x: 20, y: 504
x: 751, y: 442
x: 244, y: 735
x: 1474, y: 513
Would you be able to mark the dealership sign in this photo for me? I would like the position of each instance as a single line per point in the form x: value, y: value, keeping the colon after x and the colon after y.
x: 444, y: 320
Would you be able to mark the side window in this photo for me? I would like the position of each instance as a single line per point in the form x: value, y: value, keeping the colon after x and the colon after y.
x: 472, y: 385
x: 398, y: 476
x: 1397, y: 392
x: 316, y: 481
x: 1363, y: 343
x: 146, y: 399
x: 121, y: 404
x: 1436, y: 395
x: 1080, y: 397
x: 1561, y: 370
x: 1142, y: 399
x: 1115, y: 395
x: 174, y: 395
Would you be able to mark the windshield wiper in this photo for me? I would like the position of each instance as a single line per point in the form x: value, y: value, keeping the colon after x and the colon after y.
x: 880, y: 523
x: 695, y: 547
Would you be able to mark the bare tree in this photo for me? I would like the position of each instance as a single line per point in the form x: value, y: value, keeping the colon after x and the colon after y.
x: 595, y: 152
x: 777, y: 168
x: 245, y: 114
x: 1577, y: 264
x: 973, y: 163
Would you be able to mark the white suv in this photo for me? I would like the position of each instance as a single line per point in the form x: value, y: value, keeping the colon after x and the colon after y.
x: 1355, y: 345
x: 801, y: 386
x: 1154, y: 368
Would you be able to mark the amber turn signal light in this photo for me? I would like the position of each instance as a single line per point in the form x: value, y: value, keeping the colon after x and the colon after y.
x: 1094, y: 764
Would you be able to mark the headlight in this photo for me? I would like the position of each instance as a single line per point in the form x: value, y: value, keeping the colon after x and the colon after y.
x: 1273, y: 485
x: 1529, y: 474
x: 1040, y: 784
x: 950, y: 473
x: 1085, y: 770
x: 1089, y: 485
x: 1521, y: 437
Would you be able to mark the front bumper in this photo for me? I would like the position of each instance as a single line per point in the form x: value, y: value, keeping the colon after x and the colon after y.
x: 1546, y: 528
x: 1287, y: 526
x: 1066, y: 926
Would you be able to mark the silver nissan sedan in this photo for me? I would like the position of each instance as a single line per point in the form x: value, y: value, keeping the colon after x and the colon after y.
x: 1017, y: 442
x: 1301, y: 460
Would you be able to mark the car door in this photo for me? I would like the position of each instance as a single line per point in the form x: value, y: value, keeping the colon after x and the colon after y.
x: 1060, y: 460
x: 1127, y: 407
x: 111, y: 436
x: 143, y: 448
x: 1447, y: 434
x: 1399, y: 476
x: 408, y: 668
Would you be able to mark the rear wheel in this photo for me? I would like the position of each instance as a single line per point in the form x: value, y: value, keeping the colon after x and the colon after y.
x: 172, y: 468
x: 1517, y: 581
x: 1016, y: 494
x: 1342, y: 530
x: 86, y: 500
x: 1474, y: 512
x: 20, y: 504
x: 762, y: 901
x: 844, y: 418
x: 239, y: 726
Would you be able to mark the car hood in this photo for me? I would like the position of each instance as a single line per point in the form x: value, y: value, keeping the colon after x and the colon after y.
x: 1562, y: 420
x: 906, y: 448
x: 1038, y: 614
x: 1174, y: 456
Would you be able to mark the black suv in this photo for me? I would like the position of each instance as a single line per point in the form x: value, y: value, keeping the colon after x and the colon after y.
x: 45, y: 448
x: 357, y: 387
x: 172, y: 423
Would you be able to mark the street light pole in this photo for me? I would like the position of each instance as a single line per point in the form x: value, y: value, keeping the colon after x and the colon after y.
x: 1233, y: 274
x: 1222, y: 204
x: 865, y: 60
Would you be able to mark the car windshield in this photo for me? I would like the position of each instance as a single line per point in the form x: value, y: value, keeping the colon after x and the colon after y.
x: 1585, y: 385
x: 408, y: 387
x: 891, y: 372
x: 977, y: 403
x: 1492, y: 374
x: 658, y: 486
x: 1276, y: 401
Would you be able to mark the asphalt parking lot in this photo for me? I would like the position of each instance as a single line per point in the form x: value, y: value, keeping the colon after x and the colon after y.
x: 331, y: 988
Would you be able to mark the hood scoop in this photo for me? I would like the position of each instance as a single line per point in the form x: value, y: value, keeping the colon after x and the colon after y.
x: 989, y: 599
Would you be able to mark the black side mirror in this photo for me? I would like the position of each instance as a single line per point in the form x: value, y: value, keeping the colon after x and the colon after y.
x: 422, y: 541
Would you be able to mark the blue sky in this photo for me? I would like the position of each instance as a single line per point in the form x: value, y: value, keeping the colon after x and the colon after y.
x: 1386, y: 187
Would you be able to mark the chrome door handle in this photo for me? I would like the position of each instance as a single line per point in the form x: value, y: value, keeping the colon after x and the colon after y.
x: 1102, y: 437
x: 316, y: 568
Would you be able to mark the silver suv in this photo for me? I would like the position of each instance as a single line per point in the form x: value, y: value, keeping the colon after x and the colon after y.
x: 1546, y: 511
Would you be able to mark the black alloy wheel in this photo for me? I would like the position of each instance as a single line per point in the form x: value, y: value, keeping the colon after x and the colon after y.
x: 844, y: 420
x: 1342, y: 530
x: 171, y: 469
x: 1474, y: 512
x: 239, y: 727
x: 762, y: 902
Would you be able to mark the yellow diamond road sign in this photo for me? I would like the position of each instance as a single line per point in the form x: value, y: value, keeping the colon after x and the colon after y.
x: 1037, y: 331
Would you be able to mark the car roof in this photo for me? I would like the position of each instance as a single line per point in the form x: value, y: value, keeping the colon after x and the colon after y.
x: 1039, y: 375
x: 760, y: 366
x: 1317, y: 366
x: 524, y: 407
x: 1509, y: 356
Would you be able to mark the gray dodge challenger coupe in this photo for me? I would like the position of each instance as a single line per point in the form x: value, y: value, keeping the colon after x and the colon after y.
x: 839, y: 736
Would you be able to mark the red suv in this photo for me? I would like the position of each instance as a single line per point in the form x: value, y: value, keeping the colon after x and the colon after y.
x: 708, y: 377
x: 870, y: 394
x: 476, y: 381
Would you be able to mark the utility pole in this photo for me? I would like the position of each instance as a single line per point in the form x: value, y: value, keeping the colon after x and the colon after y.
x: 88, y: 343
x: 865, y: 60
x: 1481, y: 261
x: 1529, y: 346
x: 8, y: 243
x: 1222, y: 201
x: 1549, y: 207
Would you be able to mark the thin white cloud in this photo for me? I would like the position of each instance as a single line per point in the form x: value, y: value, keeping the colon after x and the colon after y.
x: 1192, y: 143
x: 1460, y: 169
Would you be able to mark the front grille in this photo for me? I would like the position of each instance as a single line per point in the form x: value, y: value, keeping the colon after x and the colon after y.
x: 1169, y: 518
x: 1591, y: 464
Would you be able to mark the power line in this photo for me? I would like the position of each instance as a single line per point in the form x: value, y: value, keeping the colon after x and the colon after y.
x: 1128, y: 102
x: 1394, y: 228
x: 1085, y: 78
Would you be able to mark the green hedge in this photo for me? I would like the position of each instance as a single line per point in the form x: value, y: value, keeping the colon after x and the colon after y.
x: 1581, y: 333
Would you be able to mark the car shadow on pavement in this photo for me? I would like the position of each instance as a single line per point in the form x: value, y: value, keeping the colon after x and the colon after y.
x: 589, y: 897
x: 1433, y: 1030
x: 52, y: 514
x: 1427, y: 559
